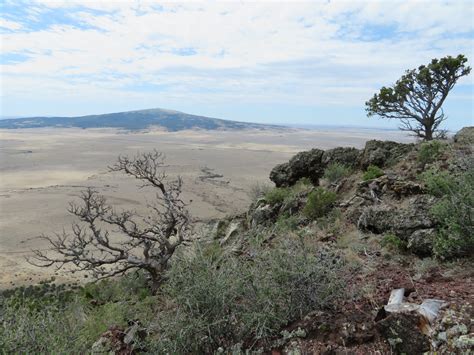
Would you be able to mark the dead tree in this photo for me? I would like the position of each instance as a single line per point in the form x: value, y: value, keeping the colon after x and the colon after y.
x: 108, y: 242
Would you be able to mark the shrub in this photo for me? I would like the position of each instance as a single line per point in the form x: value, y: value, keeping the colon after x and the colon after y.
x: 286, y: 222
x: 336, y: 171
x: 35, y: 320
x: 277, y: 195
x: 51, y: 319
x: 430, y: 151
x: 320, y: 202
x: 287, y: 194
x: 258, y: 190
x: 439, y: 183
x: 454, y: 212
x: 391, y: 241
x: 372, y: 172
x: 219, y: 303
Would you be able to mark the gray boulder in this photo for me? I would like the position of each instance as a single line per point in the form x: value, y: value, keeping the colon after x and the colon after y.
x: 263, y: 215
x: 342, y: 155
x: 303, y: 165
x: 465, y: 136
x: 383, y: 153
x: 421, y: 242
x: 400, y: 221
x: 403, y: 333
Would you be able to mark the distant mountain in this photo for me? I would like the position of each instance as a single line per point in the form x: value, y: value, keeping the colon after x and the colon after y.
x: 134, y: 120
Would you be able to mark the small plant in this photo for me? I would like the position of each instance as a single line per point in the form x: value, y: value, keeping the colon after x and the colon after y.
x: 277, y: 195
x: 336, y: 171
x: 455, y: 215
x: 287, y: 194
x: 430, y: 151
x: 258, y: 190
x: 391, y: 241
x: 372, y: 172
x: 320, y: 202
x: 454, y: 212
x: 218, y: 303
x: 286, y: 222
x: 439, y: 183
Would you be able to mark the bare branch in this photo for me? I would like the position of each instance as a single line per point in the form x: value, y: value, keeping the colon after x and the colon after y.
x: 109, y: 243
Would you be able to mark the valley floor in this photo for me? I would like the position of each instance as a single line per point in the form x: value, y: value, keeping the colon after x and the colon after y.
x: 43, y: 169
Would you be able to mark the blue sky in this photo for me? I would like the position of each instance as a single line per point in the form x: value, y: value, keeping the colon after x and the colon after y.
x: 313, y: 62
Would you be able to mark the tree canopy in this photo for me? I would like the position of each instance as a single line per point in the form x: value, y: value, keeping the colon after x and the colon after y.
x: 417, y: 97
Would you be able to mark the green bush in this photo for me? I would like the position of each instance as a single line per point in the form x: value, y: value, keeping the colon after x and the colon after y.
x: 39, y: 320
x: 431, y: 151
x: 372, y: 172
x: 439, y: 183
x: 391, y: 241
x: 286, y: 222
x: 277, y: 195
x: 50, y: 319
x: 454, y: 213
x: 287, y: 194
x: 320, y: 201
x: 336, y: 171
x: 220, y: 303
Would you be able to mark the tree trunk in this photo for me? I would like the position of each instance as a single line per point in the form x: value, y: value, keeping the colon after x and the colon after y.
x: 155, y: 280
x: 429, y: 129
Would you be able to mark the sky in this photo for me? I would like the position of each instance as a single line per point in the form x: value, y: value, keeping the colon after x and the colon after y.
x: 299, y: 62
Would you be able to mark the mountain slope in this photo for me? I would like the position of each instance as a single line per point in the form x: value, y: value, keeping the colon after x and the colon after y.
x: 133, y: 120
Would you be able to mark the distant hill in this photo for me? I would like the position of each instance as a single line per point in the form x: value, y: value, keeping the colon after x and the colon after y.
x: 134, y: 120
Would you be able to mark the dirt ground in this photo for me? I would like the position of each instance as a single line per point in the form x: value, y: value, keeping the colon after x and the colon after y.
x: 43, y: 169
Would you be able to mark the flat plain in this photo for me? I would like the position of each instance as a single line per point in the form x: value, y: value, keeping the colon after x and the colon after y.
x: 43, y: 169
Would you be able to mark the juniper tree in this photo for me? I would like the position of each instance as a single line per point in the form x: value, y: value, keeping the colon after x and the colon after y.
x: 417, y: 98
x: 108, y: 242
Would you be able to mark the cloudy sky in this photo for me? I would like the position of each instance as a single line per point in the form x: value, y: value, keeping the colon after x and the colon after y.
x: 313, y: 62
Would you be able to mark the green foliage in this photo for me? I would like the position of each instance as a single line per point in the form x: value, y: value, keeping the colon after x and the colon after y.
x: 439, y: 183
x: 431, y: 151
x: 53, y: 319
x: 221, y: 302
x: 37, y: 319
x: 277, y: 195
x: 372, y: 172
x: 320, y: 202
x: 280, y: 195
x: 426, y: 87
x: 391, y: 241
x: 336, y: 171
x: 286, y: 222
x: 454, y: 212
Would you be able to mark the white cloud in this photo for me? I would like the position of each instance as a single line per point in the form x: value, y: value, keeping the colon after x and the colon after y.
x: 10, y: 25
x: 304, y: 52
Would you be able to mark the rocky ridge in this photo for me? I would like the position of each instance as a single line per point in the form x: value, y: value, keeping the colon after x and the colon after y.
x: 395, y: 206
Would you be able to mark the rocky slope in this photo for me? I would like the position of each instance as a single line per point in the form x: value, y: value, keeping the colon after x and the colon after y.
x: 386, y: 228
